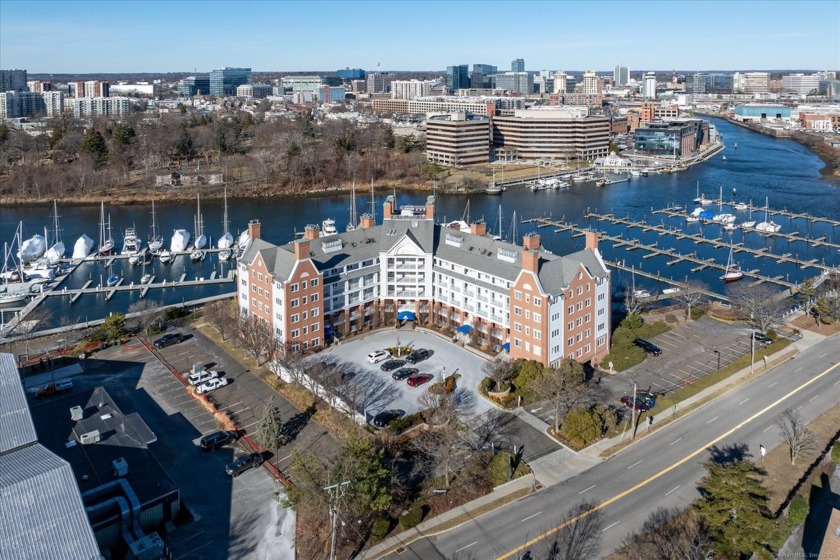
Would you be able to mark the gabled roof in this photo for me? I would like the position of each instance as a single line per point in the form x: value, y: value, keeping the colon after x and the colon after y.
x: 16, y: 428
x: 41, y: 512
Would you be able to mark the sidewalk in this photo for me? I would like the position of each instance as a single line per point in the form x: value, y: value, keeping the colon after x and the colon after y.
x: 563, y: 464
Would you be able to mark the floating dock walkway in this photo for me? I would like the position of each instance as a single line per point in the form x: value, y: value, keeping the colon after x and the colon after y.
x: 143, y: 288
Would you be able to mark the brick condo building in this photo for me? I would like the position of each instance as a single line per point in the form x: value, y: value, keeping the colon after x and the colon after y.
x: 524, y: 299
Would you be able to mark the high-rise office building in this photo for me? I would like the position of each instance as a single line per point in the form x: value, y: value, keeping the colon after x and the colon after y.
x: 751, y: 82
x: 719, y: 83
x: 560, y: 82
x: 379, y: 83
x: 458, y: 77
x: 224, y: 82
x: 621, y: 75
x: 194, y: 85
x: 13, y: 80
x: 516, y: 82
x: 590, y: 83
x: 351, y: 74
x: 409, y: 89
x: 649, y: 85
x: 480, y: 77
x: 800, y: 84
x: 695, y: 83
x: 517, y: 65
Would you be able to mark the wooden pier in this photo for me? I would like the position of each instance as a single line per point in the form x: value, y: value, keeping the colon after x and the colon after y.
x: 143, y: 288
x: 653, y: 250
x: 717, y: 242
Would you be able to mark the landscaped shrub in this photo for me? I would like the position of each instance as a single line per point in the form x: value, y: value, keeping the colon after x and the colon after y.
x: 486, y: 384
x: 581, y: 427
x: 412, y: 518
x: 380, y: 529
x: 402, y: 424
x: 835, y: 452
x: 499, y: 467
x: 798, y: 510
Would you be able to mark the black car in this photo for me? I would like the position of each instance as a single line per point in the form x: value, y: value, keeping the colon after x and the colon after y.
x: 244, y: 463
x: 418, y: 356
x: 404, y: 373
x: 168, y: 340
x: 385, y: 417
x: 762, y: 338
x: 391, y: 365
x: 217, y: 440
x: 648, y: 346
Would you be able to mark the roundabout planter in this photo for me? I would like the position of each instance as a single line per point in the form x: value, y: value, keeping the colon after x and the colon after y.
x: 499, y: 394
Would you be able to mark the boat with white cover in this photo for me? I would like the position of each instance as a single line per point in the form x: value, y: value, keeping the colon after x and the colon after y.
x: 82, y: 247
x: 180, y: 240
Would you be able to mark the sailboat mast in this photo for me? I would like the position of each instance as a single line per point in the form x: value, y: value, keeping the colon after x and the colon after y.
x: 225, y: 225
x: 55, y: 222
x: 372, y: 202
x: 353, y: 205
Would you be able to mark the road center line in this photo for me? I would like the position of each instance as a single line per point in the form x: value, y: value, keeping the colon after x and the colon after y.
x: 743, y: 401
x: 609, y: 526
x: 633, y: 465
x: 587, y: 490
x: 675, y: 441
x: 531, y: 516
x: 674, y: 489
x: 466, y: 547
x: 712, y: 420
x: 671, y: 467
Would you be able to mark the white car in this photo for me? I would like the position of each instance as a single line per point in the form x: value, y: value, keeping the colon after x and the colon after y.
x: 211, y: 384
x: 200, y: 377
x: 378, y: 356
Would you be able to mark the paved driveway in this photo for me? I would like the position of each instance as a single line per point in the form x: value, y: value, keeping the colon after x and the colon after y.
x: 384, y: 392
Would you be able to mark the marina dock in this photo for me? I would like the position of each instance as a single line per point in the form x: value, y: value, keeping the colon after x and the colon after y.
x: 143, y: 288
x: 653, y: 250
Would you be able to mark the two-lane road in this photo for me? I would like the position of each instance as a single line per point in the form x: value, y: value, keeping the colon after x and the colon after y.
x: 661, y: 470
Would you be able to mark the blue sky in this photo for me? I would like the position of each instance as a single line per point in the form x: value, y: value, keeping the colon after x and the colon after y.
x: 122, y: 36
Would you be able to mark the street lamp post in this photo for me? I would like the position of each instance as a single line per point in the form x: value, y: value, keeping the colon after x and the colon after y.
x: 716, y: 351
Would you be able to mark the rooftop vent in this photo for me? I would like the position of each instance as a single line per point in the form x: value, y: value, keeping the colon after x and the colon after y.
x: 331, y: 246
x: 76, y: 413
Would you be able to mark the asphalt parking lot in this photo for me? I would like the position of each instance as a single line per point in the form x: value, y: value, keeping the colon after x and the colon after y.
x: 688, y: 353
x: 388, y: 393
x: 242, y: 518
x: 244, y: 398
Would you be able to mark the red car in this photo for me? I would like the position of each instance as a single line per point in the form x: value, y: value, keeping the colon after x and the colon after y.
x: 418, y: 379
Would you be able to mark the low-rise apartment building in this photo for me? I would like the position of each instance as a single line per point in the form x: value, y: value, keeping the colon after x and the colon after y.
x: 523, y: 299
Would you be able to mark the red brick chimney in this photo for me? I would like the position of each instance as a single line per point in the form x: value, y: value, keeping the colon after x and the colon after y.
x: 430, y: 207
x: 301, y: 249
x: 530, y: 260
x: 591, y: 240
x: 478, y: 227
x: 312, y: 232
x: 366, y: 221
x: 389, y: 207
x: 531, y: 241
x: 254, y: 229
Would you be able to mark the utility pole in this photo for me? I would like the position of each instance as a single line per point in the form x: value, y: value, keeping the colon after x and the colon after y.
x: 633, y: 411
x: 336, y: 492
x: 752, y: 350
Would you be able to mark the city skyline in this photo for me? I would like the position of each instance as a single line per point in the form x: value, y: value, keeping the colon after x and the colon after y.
x: 131, y: 37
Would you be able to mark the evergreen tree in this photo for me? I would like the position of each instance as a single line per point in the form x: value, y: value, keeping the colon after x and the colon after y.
x: 93, y: 144
x: 734, y: 504
x: 270, y: 432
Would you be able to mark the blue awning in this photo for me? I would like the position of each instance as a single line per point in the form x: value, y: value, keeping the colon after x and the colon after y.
x: 406, y: 316
x: 506, y: 346
x: 328, y: 330
x: 464, y: 329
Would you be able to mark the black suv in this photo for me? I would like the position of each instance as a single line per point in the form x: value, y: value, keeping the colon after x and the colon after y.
x: 217, y: 440
x: 244, y: 463
x: 761, y: 337
x: 168, y: 340
x: 417, y: 356
x: 385, y: 417
x: 648, y: 346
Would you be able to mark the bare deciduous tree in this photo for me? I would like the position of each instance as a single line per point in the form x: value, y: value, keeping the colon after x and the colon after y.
x: 255, y: 336
x: 758, y: 304
x: 578, y: 536
x: 795, y: 434
x: 565, y: 387
x: 144, y: 313
x: 221, y: 316
x: 670, y: 534
x: 690, y: 295
x: 501, y: 370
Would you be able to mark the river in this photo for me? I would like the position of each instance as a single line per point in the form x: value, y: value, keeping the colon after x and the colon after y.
x: 783, y: 170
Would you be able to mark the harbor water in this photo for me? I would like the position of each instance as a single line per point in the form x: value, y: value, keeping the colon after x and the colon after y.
x: 781, y: 170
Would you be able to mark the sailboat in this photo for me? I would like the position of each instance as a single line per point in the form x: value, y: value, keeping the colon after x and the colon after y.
x: 56, y: 252
x: 106, y: 242
x: 7, y: 296
x: 155, y: 240
x: 722, y: 217
x: 200, y: 239
x: 768, y: 225
x: 640, y: 293
x: 32, y: 249
x: 733, y: 271
x: 113, y: 279
x: 749, y: 223
x: 498, y: 235
x: 353, y: 223
x: 493, y: 188
x: 226, y: 240
x: 701, y: 198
